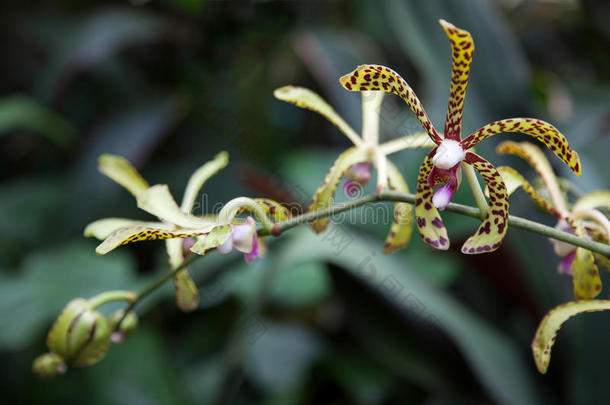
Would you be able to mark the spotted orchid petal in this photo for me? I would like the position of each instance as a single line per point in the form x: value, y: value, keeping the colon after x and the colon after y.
x: 417, y: 140
x: 270, y: 207
x: 535, y: 157
x: 324, y: 196
x: 542, y: 131
x: 585, y: 275
x: 592, y: 200
x: 491, y: 232
x: 462, y: 48
x: 429, y: 222
x: 199, y: 177
x: 552, y: 322
x: 377, y: 77
x: 217, y: 237
x: 158, y: 201
x: 305, y: 98
x: 103, y: 228
x: 402, y: 220
x: 154, y: 231
x: 121, y: 171
x: 513, y: 180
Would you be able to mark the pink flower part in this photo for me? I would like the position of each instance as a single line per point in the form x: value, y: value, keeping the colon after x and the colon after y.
x: 249, y: 257
x: 565, y: 265
x: 442, y: 196
x: 244, y: 239
x: 358, y: 175
x: 451, y: 177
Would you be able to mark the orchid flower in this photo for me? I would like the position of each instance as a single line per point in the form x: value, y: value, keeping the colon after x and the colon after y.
x: 583, y: 218
x: 443, y: 164
x: 176, y: 223
x: 355, y: 163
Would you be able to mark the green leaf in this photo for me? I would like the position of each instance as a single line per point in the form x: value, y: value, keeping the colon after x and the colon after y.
x: 495, y: 360
x: 18, y: 112
x: 48, y: 280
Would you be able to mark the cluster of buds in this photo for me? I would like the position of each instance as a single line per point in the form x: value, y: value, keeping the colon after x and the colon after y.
x: 81, y: 335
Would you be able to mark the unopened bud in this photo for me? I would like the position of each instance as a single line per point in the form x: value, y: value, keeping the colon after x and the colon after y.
x: 48, y: 365
x: 80, y: 335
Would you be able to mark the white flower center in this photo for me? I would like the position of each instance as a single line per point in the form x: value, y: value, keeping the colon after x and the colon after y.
x: 448, y: 154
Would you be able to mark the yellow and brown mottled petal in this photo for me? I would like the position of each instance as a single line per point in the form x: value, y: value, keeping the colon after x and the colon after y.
x: 121, y: 171
x: 377, y: 77
x: 542, y: 131
x: 491, y: 232
x: 533, y: 155
x: 270, y: 207
x: 585, y: 275
x: 139, y: 233
x: 402, y: 221
x: 594, y: 199
x: 187, y: 294
x: 158, y: 201
x: 513, y: 180
x: 324, y: 196
x: 102, y: 228
x: 462, y: 49
x: 199, y: 177
x: 305, y: 98
x: 552, y: 322
x: 215, y: 238
x: 429, y: 222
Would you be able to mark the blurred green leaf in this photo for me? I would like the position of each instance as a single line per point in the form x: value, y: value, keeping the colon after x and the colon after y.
x: 48, y: 280
x: 300, y: 285
x: 494, y: 358
x: 21, y: 112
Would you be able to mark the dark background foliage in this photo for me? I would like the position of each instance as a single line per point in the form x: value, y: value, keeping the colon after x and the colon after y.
x: 169, y: 83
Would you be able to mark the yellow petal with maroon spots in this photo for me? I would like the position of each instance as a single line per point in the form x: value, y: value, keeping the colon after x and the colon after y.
x: 513, y: 180
x: 187, y: 294
x: 402, y: 221
x: 199, y: 177
x: 305, y: 98
x: 102, y: 228
x: 215, y: 238
x: 121, y: 171
x: 270, y: 207
x: 552, y: 322
x: 462, y: 48
x: 585, y: 275
x: 594, y: 199
x: 429, y: 222
x: 491, y: 232
x: 158, y: 201
x: 324, y: 196
x: 533, y: 155
x: 139, y: 233
x: 377, y: 77
x: 542, y: 131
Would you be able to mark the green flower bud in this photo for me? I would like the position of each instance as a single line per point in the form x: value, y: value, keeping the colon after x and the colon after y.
x: 80, y: 334
x: 48, y: 365
x: 129, y: 324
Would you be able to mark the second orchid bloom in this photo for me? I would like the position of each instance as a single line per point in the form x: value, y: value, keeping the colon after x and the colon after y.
x: 443, y: 165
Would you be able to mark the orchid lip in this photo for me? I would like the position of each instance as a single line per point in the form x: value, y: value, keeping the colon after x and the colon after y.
x: 442, y: 196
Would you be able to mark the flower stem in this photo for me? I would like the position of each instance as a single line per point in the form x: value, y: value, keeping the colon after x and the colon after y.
x: 475, y: 186
x: 109, y: 296
x: 384, y: 195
